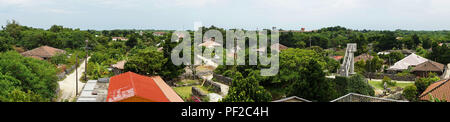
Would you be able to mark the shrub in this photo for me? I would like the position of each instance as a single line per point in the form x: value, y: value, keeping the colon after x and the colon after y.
x: 60, y: 58
x: 410, y: 93
x: 423, y: 83
x: 358, y: 84
x: 388, y: 81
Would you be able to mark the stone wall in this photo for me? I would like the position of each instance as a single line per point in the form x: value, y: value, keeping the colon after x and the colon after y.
x: 67, y: 71
x: 223, y: 79
x: 215, y: 87
x: 392, y: 76
x: 197, y: 92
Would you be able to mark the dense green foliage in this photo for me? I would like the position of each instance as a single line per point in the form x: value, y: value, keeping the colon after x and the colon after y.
x: 358, y: 84
x: 147, y: 61
x: 423, y: 83
x: 27, y: 75
x: 410, y: 93
x: 388, y: 81
x: 354, y: 84
x: 246, y: 90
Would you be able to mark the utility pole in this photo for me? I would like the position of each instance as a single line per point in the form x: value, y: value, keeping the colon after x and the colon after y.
x: 85, y: 61
x: 371, y: 62
x: 76, y: 75
x: 309, y: 41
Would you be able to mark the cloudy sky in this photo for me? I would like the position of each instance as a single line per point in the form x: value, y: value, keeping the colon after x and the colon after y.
x: 247, y: 14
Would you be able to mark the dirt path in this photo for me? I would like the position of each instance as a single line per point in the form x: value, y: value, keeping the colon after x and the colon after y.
x: 68, y: 85
x: 394, y: 80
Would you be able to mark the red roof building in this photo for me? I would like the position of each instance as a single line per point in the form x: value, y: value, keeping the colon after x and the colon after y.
x: 338, y: 58
x: 440, y: 90
x: 132, y: 87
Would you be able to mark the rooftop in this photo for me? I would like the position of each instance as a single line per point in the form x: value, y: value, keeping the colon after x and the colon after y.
x: 440, y: 90
x: 430, y: 66
x: 43, y: 52
x: 139, y: 88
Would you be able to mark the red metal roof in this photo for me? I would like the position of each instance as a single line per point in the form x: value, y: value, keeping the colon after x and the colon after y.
x: 129, y: 85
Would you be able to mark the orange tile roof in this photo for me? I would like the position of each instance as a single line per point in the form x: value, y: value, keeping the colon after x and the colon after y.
x: 364, y: 57
x: 440, y: 90
x: 43, y: 52
x: 130, y: 85
x: 338, y: 57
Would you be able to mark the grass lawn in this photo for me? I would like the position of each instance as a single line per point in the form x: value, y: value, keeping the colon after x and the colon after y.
x: 378, y: 85
x: 186, y: 91
x: 186, y: 81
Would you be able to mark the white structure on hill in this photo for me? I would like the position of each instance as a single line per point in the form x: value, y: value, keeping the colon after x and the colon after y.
x: 347, y: 66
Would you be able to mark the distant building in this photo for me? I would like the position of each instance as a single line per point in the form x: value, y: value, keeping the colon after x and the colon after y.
x: 118, y: 67
x: 273, y: 46
x: 425, y: 68
x: 363, y: 57
x: 354, y: 97
x: 338, y: 58
x: 384, y: 53
x: 119, y: 39
x: 440, y: 90
x: 132, y: 87
x: 403, y: 51
x: 292, y: 99
x: 43, y: 52
x: 210, y: 43
x: 159, y: 33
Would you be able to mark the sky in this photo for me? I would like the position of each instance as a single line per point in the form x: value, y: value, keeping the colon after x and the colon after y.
x: 245, y: 14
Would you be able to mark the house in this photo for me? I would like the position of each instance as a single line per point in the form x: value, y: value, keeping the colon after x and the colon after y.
x: 159, y: 33
x: 440, y: 90
x: 363, y: 57
x: 354, y: 97
x: 43, y: 52
x: 132, y: 87
x: 425, y: 68
x: 119, y: 39
x: 403, y: 51
x: 210, y: 43
x: 384, y: 53
x: 273, y: 46
x: 409, y: 61
x: 292, y: 99
x: 118, y: 67
x: 338, y: 58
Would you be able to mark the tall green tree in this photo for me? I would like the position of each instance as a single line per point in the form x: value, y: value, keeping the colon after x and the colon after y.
x: 148, y: 61
x: 246, y: 90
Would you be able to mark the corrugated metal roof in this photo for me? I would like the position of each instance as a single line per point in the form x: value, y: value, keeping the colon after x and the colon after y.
x: 86, y: 94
